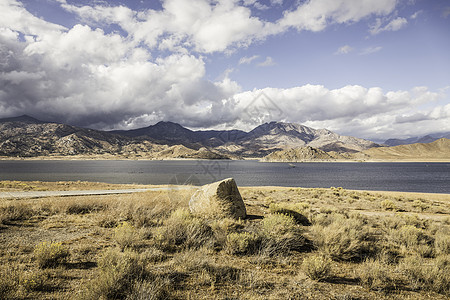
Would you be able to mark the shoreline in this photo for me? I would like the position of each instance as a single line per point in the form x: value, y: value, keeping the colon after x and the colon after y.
x: 90, y: 158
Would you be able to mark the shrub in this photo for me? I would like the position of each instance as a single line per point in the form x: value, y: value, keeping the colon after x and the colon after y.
x: 157, y: 289
x: 294, y: 210
x: 15, y: 212
x: 183, y: 230
x: 80, y: 208
x: 117, y: 273
x: 34, y: 281
x: 345, y: 239
x: 427, y: 274
x: 376, y: 275
x: 242, y: 243
x: 9, y: 280
x: 388, y: 205
x: 51, y: 254
x: 280, y: 235
x: 412, y: 240
x: 317, y: 267
x: 275, y: 225
x: 442, y: 242
x: 126, y: 235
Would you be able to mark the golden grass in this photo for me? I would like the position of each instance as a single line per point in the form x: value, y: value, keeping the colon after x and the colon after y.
x: 148, y: 246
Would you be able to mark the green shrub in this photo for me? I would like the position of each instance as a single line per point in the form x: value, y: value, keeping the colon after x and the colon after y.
x: 50, y: 254
x: 317, y: 267
x: 242, y: 243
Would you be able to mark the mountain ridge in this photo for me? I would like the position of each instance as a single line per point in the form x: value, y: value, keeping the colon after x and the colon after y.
x: 26, y: 136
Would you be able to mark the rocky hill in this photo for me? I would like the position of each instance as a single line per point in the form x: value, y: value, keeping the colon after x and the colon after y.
x: 299, y: 154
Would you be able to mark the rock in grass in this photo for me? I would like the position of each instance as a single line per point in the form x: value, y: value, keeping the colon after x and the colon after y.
x: 218, y: 200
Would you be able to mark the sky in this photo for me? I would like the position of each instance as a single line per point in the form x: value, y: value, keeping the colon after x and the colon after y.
x: 373, y: 69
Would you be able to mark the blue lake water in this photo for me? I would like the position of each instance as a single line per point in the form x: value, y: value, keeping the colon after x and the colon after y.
x: 406, y: 177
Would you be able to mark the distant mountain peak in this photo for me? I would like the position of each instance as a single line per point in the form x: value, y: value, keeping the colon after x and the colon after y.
x: 23, y: 118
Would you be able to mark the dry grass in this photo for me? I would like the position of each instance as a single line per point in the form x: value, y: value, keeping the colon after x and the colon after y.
x: 297, y: 244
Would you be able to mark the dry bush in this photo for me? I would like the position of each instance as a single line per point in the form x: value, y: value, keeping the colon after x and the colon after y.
x: 317, y: 267
x: 117, y: 273
x: 442, y: 242
x: 15, y: 212
x: 9, y: 281
x: 280, y: 235
x: 377, y: 274
x: 156, y: 289
x: 388, y: 205
x: 242, y: 243
x: 126, y: 236
x: 410, y: 240
x: 427, y: 274
x: 182, y: 230
x: 34, y: 280
x: 275, y: 225
x: 295, y: 210
x: 203, y: 269
x: 347, y: 239
x: 50, y: 254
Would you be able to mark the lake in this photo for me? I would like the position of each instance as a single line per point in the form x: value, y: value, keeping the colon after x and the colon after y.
x: 405, y: 177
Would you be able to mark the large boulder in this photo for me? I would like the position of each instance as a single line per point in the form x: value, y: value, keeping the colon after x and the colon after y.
x: 218, y: 200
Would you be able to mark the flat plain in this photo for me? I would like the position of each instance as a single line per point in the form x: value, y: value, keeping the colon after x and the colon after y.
x: 296, y: 243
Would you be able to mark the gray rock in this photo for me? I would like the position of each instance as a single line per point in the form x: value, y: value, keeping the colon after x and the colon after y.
x: 218, y: 200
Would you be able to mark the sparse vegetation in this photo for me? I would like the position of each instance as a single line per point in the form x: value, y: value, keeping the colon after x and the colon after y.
x: 148, y: 246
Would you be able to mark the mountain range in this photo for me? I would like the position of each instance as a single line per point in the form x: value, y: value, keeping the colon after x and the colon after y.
x: 25, y: 136
x: 418, y: 139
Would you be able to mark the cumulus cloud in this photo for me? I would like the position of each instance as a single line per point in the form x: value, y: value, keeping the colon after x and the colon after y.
x: 316, y: 15
x: 393, y: 25
x: 344, y: 50
x: 156, y: 71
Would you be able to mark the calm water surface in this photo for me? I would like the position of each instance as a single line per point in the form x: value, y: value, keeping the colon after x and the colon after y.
x: 407, y: 177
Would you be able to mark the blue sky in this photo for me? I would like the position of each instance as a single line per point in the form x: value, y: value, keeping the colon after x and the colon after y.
x: 374, y: 69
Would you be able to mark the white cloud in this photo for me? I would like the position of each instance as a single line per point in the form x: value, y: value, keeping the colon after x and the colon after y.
x: 393, y: 25
x: 223, y: 25
x: 416, y: 15
x: 248, y: 60
x: 85, y: 76
x: 370, y: 50
x: 316, y: 15
x: 267, y: 62
x: 353, y: 110
x: 344, y: 50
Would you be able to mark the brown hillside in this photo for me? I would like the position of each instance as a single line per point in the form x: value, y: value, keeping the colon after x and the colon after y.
x: 437, y: 150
